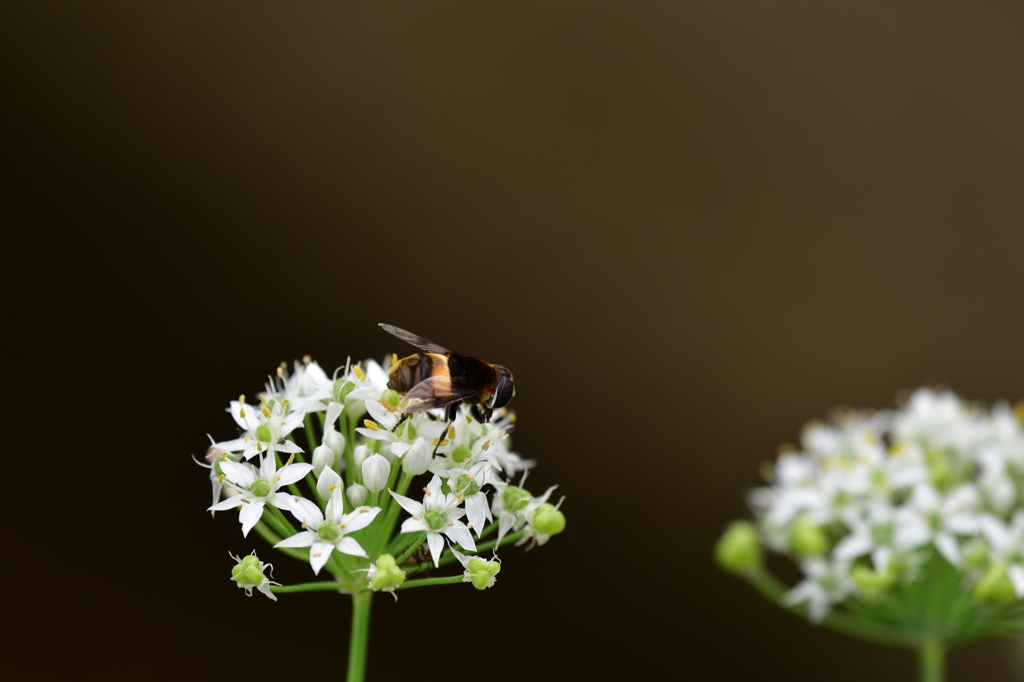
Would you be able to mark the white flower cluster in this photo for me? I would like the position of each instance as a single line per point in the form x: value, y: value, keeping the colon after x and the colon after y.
x: 872, y: 495
x: 359, y: 457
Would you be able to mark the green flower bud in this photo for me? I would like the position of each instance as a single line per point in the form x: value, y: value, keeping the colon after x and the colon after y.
x: 516, y: 499
x: 391, y: 397
x: 461, y: 453
x: 467, y: 486
x: 435, y: 519
x: 976, y: 555
x: 481, y: 573
x: 995, y: 586
x: 386, y: 575
x: 260, y: 487
x: 341, y: 389
x: 248, y: 571
x: 806, y: 539
x: 328, y: 531
x: 738, y: 550
x: 548, y: 521
x: 873, y: 586
x: 940, y: 468
x: 263, y: 433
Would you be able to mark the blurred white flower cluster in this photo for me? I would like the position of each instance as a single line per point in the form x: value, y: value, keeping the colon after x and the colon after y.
x: 351, y: 461
x: 870, y: 496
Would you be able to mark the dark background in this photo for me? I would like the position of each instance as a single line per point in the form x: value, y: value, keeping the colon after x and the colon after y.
x: 687, y: 230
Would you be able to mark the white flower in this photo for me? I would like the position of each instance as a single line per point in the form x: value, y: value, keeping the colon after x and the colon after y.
x: 324, y: 535
x: 827, y: 583
x: 264, y: 427
x: 930, y: 516
x: 438, y: 514
x: 257, y: 488
x: 1008, y: 546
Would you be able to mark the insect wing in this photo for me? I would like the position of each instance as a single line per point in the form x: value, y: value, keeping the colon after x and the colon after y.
x: 415, y: 340
x: 437, y: 391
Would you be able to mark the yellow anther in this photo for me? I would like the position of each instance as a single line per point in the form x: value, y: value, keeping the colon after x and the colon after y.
x: 247, y: 439
x: 290, y: 459
x: 361, y: 511
x: 370, y: 424
x: 306, y: 359
x: 387, y: 405
x: 285, y: 401
x: 245, y: 501
x: 276, y: 479
x: 224, y: 456
x: 331, y: 489
x: 220, y: 479
x: 469, y: 525
x: 512, y: 417
x: 342, y: 526
x: 304, y: 525
x: 317, y: 554
x: 359, y: 372
x: 471, y: 476
x: 259, y: 446
x: 450, y: 524
x: 241, y: 399
x: 451, y: 432
x: 415, y: 518
x: 280, y: 372
x: 241, y: 412
x: 437, y: 441
x: 469, y: 420
x: 427, y: 492
x: 441, y: 443
x: 1018, y: 411
x: 394, y: 358
x: 487, y: 444
x: 265, y: 411
x: 263, y: 399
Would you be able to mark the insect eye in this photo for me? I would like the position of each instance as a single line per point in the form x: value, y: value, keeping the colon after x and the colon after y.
x: 503, y: 390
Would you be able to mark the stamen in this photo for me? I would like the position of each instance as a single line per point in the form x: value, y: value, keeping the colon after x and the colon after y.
x: 361, y: 511
x: 276, y: 479
x: 511, y: 417
x: 306, y: 359
x: 290, y: 459
x: 241, y: 412
x: 263, y: 399
x: 245, y: 501
x: 280, y: 372
x: 471, y: 476
x: 388, y: 405
x: 450, y: 524
x: 220, y: 479
x: 317, y: 554
x: 331, y: 489
x: 359, y: 372
x: 451, y: 432
x: 304, y: 525
x: 224, y: 456
x: 241, y: 399
x: 415, y: 518
x: 427, y: 491
x: 266, y: 412
x: 259, y: 446
x: 370, y: 424
x: 469, y: 420
x: 469, y: 525
x: 342, y: 526
x: 487, y: 444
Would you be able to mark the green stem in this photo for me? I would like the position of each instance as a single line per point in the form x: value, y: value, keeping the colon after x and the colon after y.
x: 417, y: 540
x: 273, y: 538
x: 361, y: 603
x: 409, y: 584
x: 931, y: 654
x: 326, y: 586
x: 769, y: 587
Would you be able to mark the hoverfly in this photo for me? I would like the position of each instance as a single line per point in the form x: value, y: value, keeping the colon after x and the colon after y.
x: 437, y: 377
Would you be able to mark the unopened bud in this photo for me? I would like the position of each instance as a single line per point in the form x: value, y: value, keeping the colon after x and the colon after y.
x: 323, y: 458
x: 547, y: 520
x: 872, y: 586
x: 376, y: 471
x: 738, y: 550
x: 995, y: 586
x: 481, y: 573
x: 807, y: 539
x: 417, y: 458
x: 384, y: 574
x: 357, y: 494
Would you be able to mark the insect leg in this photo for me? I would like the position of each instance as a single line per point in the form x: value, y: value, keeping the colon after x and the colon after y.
x: 404, y: 417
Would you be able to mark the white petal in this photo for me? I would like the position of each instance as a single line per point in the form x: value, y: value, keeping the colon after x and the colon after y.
x: 229, y: 503
x: 319, y: 553
x: 947, y: 546
x: 1016, y: 575
x: 239, y: 474
x: 347, y: 545
x: 413, y: 525
x: 852, y: 546
x: 458, y: 532
x: 250, y: 514
x: 328, y: 479
x: 302, y: 539
x: 290, y: 473
x: 360, y: 518
x: 436, y: 543
x: 412, y: 506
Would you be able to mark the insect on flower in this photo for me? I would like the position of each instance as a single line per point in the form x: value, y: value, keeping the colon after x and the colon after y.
x: 437, y: 377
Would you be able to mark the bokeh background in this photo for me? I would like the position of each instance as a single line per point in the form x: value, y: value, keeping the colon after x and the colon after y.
x: 687, y: 228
